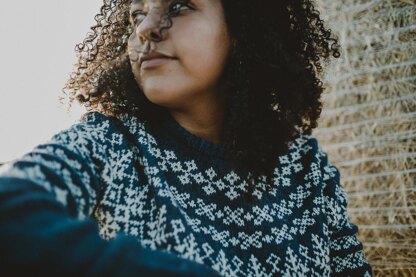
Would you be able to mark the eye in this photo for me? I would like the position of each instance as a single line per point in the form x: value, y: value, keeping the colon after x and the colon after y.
x: 177, y: 7
x: 137, y: 16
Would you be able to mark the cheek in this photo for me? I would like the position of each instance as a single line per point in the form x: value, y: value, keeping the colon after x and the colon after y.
x: 136, y: 72
x: 205, y: 53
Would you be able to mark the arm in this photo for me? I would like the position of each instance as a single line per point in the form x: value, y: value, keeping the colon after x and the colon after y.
x: 346, y: 251
x: 45, y: 229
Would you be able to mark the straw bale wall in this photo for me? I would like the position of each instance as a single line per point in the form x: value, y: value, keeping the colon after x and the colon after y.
x: 368, y: 124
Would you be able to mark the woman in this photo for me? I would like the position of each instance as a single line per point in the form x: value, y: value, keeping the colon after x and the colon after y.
x: 195, y: 156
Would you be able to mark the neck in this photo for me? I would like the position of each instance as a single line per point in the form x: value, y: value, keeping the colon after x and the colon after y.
x: 204, y: 120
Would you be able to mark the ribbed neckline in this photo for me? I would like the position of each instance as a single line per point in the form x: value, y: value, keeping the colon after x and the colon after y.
x: 199, y: 144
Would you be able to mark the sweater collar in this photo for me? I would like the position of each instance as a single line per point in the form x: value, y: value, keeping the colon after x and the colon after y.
x: 197, y: 143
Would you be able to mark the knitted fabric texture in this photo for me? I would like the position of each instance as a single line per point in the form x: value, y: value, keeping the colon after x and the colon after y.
x: 178, y: 193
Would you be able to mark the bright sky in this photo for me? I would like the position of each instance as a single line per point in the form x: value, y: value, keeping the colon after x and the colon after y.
x: 36, y: 56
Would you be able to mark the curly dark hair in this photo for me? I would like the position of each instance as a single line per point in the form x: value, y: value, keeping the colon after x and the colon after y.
x: 273, y: 75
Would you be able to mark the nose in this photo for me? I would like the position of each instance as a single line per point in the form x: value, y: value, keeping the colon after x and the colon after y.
x: 150, y: 29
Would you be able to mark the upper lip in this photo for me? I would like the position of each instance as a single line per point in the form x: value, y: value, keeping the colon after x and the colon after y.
x: 153, y: 55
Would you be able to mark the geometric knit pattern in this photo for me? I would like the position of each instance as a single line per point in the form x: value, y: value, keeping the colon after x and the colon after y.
x: 176, y: 192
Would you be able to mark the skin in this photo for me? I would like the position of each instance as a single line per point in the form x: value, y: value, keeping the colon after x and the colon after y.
x: 187, y: 86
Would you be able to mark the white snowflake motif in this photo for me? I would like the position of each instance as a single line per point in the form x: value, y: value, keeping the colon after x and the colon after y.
x: 320, y: 256
x: 262, y: 215
x: 258, y: 194
x: 170, y: 155
x: 232, y: 177
x: 222, y: 265
x: 304, y: 222
x: 184, y: 179
x: 232, y: 194
x: 243, y: 186
x: 208, y: 251
x: 219, y: 214
x: 281, y: 234
x: 315, y: 174
x: 248, y: 240
x: 293, y: 230
x: 206, y: 209
x: 286, y: 170
x: 199, y: 178
x: 191, y: 166
x: 297, y: 167
x: 194, y: 223
x: 108, y: 225
x: 294, y: 265
x: 178, y: 228
x: 344, y: 243
x: 248, y: 216
x: 274, y: 261
x: 208, y: 189
x: 284, y: 208
x: 233, y: 216
x: 163, y: 165
x: 222, y: 236
x: 234, y: 241
x: 255, y: 268
x: 220, y: 185
x: 152, y: 170
x: 192, y: 204
x: 267, y: 238
x: 155, y: 152
x: 284, y: 159
x: 116, y: 139
x: 280, y: 179
x: 189, y: 249
x: 299, y: 196
x: 176, y: 166
x: 156, y: 229
x: 295, y: 156
x: 180, y: 198
x: 211, y: 173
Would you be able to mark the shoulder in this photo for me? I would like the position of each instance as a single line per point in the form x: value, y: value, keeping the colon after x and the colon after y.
x: 93, y: 126
x: 96, y: 133
x: 90, y: 143
x: 75, y: 146
x: 306, y: 157
x: 303, y: 148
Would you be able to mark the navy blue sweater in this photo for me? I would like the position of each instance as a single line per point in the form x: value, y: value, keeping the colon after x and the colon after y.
x: 111, y: 197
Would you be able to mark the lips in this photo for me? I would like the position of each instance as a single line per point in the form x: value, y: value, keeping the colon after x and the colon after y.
x: 154, y: 57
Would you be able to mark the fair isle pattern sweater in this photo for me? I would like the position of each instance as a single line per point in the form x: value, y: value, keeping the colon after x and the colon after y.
x: 178, y: 193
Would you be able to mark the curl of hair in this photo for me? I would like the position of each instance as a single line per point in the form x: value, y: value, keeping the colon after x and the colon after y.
x: 273, y: 76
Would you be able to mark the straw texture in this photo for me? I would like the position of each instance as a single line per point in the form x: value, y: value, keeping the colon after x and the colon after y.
x: 368, y: 124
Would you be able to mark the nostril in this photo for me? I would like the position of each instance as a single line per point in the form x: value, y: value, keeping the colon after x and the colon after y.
x: 150, y: 36
x: 154, y: 36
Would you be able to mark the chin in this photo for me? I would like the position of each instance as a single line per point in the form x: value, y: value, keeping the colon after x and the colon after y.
x: 167, y: 93
x: 162, y: 97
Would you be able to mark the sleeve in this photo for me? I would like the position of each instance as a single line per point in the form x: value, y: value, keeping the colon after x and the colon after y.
x: 46, y: 198
x: 346, y: 251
